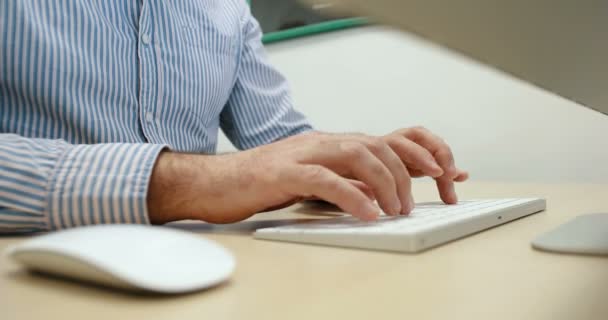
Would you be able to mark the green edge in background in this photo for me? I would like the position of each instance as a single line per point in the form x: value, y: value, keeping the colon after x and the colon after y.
x: 313, y: 29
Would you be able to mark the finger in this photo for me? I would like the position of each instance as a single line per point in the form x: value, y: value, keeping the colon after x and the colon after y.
x: 415, y: 156
x: 413, y: 205
x: 462, y: 176
x: 446, y: 189
x: 366, y: 167
x: 318, y: 181
x: 415, y: 173
x: 436, y: 146
x: 363, y: 188
x: 395, y: 165
x: 444, y: 157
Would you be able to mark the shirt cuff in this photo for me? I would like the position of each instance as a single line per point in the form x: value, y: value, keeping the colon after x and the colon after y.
x: 100, y: 184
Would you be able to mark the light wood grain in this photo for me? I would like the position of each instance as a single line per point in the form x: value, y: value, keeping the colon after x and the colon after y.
x: 494, y: 275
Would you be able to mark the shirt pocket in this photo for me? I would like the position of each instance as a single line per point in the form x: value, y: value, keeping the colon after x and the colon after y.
x: 210, y: 36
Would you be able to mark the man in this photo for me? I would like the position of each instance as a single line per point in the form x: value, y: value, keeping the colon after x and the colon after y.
x: 109, y: 113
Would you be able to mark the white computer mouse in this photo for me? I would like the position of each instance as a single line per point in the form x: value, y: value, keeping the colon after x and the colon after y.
x: 136, y: 257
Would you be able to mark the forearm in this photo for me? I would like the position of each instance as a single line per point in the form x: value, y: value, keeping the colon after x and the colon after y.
x: 211, y: 188
x: 174, y: 179
x: 188, y: 186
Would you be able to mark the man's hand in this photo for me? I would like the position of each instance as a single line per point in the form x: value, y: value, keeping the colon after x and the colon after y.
x: 348, y: 170
x: 425, y: 154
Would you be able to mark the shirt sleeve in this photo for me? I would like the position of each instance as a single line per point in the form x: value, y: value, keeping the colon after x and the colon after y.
x: 260, y: 108
x: 51, y: 184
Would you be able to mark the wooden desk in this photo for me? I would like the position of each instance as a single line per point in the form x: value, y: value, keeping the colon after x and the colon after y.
x: 491, y: 275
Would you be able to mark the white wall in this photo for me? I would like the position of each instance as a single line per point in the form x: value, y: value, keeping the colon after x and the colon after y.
x: 375, y: 80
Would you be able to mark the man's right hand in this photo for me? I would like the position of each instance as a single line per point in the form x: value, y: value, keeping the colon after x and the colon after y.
x: 348, y: 170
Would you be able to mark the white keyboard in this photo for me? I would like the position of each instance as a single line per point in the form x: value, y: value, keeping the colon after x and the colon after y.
x: 429, y: 225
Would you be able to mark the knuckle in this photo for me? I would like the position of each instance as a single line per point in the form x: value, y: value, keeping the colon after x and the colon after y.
x: 315, y: 173
x: 353, y: 150
x: 444, y: 152
x: 403, y: 172
x: 319, y: 178
x: 445, y: 145
x: 378, y: 170
x: 383, y: 173
x: 394, y: 139
x: 419, y: 130
x: 406, y: 183
x: 332, y: 184
x: 376, y: 145
x: 284, y: 176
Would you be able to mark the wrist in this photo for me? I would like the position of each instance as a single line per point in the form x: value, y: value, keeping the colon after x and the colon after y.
x: 171, y: 194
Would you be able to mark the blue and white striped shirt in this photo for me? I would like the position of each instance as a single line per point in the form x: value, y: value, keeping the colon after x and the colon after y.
x: 92, y: 90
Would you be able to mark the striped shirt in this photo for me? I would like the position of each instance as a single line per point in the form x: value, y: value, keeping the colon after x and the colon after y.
x: 92, y: 90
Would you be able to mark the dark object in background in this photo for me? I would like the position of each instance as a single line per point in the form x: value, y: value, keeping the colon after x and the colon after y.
x: 277, y: 15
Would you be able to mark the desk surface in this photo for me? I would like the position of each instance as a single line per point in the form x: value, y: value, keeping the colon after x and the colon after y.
x: 494, y: 274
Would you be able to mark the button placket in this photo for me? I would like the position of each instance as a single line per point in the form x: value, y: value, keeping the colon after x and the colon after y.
x: 145, y: 39
x: 147, y: 74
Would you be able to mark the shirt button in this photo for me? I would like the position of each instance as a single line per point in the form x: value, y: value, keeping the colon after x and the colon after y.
x: 145, y: 39
x: 149, y: 117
